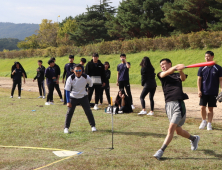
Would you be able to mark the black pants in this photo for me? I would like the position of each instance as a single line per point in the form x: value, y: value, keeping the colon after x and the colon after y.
x: 86, y: 107
x: 51, y: 87
x: 41, y: 85
x: 126, y: 84
x: 123, y: 108
x: 143, y: 95
x: 19, y: 83
x: 58, y: 90
x: 97, y: 92
x: 107, y: 90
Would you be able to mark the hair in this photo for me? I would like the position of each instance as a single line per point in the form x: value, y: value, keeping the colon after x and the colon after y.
x: 118, y: 98
x: 78, y: 65
x: 53, y: 58
x: 122, y: 55
x: 146, y: 63
x: 210, y: 52
x: 83, y: 60
x: 50, y: 61
x: 71, y: 56
x: 40, y: 61
x: 166, y: 59
x: 95, y: 55
x: 107, y: 63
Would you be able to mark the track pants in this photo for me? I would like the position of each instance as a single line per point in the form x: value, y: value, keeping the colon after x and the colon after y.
x: 97, y: 92
x: 19, y: 83
x: 84, y: 102
x: 51, y: 87
x: 58, y: 90
x: 126, y: 84
x: 151, y: 95
x: 41, y: 85
x: 107, y: 90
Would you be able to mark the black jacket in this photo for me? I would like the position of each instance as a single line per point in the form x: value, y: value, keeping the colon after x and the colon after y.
x: 96, y: 70
x: 40, y: 74
x: 148, y: 77
x: 57, y: 70
x: 20, y: 66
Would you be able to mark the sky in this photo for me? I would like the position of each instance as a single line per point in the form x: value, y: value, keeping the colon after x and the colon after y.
x: 33, y: 11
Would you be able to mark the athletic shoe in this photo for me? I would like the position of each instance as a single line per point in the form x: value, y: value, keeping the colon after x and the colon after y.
x: 209, y: 126
x: 158, y: 154
x: 142, y: 112
x: 93, y: 128
x: 150, y: 113
x: 61, y: 100
x: 96, y: 107
x: 11, y: 96
x: 66, y: 130
x: 194, y: 144
x: 43, y: 97
x: 120, y: 112
x: 47, y: 103
x: 203, y: 125
x: 132, y: 107
x: 40, y: 97
x: 109, y: 105
x: 19, y: 97
x: 100, y: 104
x: 51, y: 103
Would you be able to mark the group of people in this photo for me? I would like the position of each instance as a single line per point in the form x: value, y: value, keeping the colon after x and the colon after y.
x: 81, y: 82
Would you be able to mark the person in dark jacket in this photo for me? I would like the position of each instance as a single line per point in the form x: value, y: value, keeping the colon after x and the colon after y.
x: 122, y: 102
x: 68, y: 70
x: 57, y: 72
x: 95, y: 69
x: 41, y: 79
x: 16, y: 74
x: 51, y: 81
x: 82, y: 62
x: 106, y: 87
x: 149, y: 84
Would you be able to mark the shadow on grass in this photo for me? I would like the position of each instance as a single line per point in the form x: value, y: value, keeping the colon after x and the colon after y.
x: 212, y: 153
x: 192, y: 158
x: 157, y: 135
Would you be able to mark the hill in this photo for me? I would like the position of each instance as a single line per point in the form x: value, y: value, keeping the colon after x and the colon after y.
x: 8, y: 43
x: 19, y: 31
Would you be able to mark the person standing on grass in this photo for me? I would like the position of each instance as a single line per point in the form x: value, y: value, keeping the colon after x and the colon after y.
x: 106, y: 87
x: 51, y: 81
x: 123, y: 77
x: 149, y: 84
x: 175, y: 107
x: 76, y: 93
x: 58, y: 72
x: 68, y: 70
x: 209, y: 78
x: 16, y: 75
x: 82, y: 62
x: 41, y: 79
x: 95, y: 69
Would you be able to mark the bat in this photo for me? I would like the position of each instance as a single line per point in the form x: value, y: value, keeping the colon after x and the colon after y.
x: 210, y: 63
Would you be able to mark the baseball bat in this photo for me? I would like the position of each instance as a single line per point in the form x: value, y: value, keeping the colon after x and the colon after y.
x: 210, y: 63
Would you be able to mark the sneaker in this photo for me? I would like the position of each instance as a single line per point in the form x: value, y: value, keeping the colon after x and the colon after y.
x: 66, y: 130
x: 93, y: 128
x: 39, y: 97
x: 61, y: 100
x: 120, y: 112
x: 158, y: 154
x: 142, y: 113
x: 150, y: 113
x: 11, y: 96
x: 109, y: 105
x: 51, y: 103
x: 96, y: 107
x: 209, y: 126
x: 43, y: 97
x: 132, y: 107
x: 19, y: 97
x: 100, y: 104
x: 194, y: 145
x: 47, y: 103
x: 203, y: 125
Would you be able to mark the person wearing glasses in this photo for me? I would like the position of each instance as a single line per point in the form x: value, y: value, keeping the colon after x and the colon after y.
x: 76, y: 93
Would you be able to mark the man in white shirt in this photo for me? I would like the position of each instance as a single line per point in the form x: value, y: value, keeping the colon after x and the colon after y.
x: 76, y: 93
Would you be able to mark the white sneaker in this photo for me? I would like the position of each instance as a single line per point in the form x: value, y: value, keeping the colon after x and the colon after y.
x: 158, y: 154
x: 66, y: 130
x: 39, y: 97
x: 209, y: 126
x: 142, y: 113
x: 19, y: 97
x: 100, y: 104
x: 194, y: 144
x: 150, y: 113
x: 61, y: 100
x: 51, y: 103
x: 43, y: 97
x: 93, y: 128
x: 11, y: 96
x: 203, y: 124
x: 109, y: 105
x: 132, y: 107
x: 96, y: 107
x: 47, y: 103
x: 120, y: 112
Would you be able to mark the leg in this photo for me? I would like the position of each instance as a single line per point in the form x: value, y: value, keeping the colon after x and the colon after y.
x: 43, y: 87
x: 182, y: 132
x: 13, y: 87
x: 101, y: 95
x: 210, y: 114
x: 70, y: 112
x: 19, y: 88
x: 203, y: 112
x: 128, y: 91
x: 169, y: 137
x: 152, y: 92
x: 107, y: 90
x: 58, y: 90
x: 142, y: 96
x: 121, y: 85
x: 90, y: 92
x: 40, y: 87
x: 97, y: 93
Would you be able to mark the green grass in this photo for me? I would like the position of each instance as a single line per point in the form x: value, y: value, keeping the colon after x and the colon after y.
x: 136, y: 138
x: 177, y: 57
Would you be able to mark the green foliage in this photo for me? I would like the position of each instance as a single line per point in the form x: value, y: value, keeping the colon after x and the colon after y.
x: 29, y: 42
x: 217, y: 11
x: 69, y: 26
x: 8, y: 43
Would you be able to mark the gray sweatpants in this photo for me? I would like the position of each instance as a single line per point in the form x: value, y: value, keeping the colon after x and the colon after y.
x: 84, y: 102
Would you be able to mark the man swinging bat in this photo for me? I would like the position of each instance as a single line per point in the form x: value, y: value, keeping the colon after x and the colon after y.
x: 175, y: 107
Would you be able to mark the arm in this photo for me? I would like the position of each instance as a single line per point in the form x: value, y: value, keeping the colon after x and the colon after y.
x: 89, y: 81
x: 182, y: 76
x: 68, y: 98
x: 64, y: 74
x: 23, y: 77
x: 171, y: 70
x: 220, y: 80
x: 117, y: 81
x: 199, y: 83
x: 123, y: 100
x: 87, y: 69
x: 127, y: 64
x: 108, y: 75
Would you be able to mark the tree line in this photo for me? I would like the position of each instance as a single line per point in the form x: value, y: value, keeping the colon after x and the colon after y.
x: 132, y: 19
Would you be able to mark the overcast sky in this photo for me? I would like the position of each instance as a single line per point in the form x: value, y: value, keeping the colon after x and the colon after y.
x: 33, y: 11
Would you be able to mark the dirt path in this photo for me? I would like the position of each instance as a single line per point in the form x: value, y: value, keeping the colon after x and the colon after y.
x: 192, y: 105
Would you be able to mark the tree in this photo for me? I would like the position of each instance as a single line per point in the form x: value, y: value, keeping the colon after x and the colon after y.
x: 217, y: 12
x: 29, y: 43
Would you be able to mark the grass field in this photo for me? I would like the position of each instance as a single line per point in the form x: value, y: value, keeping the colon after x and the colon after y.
x: 136, y: 139
x: 181, y: 56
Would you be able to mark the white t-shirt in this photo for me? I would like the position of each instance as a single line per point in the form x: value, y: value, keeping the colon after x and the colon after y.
x: 77, y: 86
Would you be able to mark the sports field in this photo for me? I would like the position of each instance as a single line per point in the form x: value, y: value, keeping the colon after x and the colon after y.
x: 136, y: 138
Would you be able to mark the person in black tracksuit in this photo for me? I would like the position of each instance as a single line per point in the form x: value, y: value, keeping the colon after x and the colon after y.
x: 68, y: 70
x: 58, y: 72
x: 149, y: 84
x: 95, y: 68
x: 41, y: 79
x: 106, y: 87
